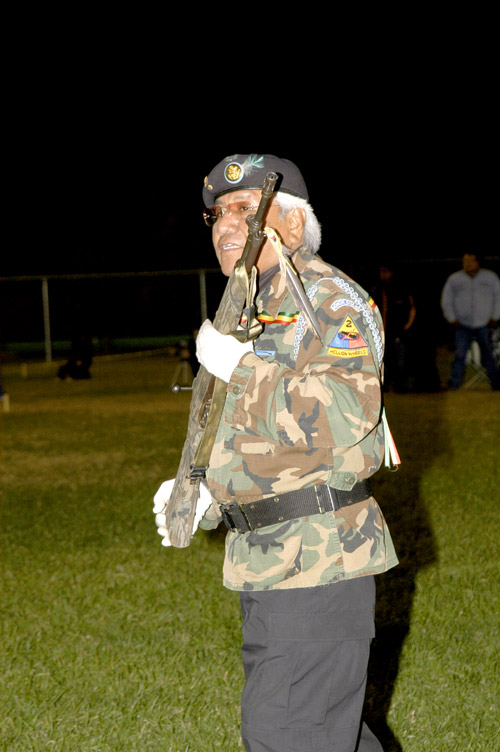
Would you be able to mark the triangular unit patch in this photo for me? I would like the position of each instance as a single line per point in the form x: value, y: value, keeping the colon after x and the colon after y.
x: 348, y: 342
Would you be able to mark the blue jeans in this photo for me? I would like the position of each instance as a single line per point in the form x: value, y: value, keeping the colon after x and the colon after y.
x: 464, y: 337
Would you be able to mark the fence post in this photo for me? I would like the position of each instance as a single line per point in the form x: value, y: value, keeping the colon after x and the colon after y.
x: 203, y: 294
x: 46, y: 319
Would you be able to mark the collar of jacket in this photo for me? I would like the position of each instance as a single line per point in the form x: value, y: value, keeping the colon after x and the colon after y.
x: 271, y: 297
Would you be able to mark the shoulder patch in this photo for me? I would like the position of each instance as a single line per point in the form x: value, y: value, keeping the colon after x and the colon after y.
x: 342, y: 303
x: 348, y: 342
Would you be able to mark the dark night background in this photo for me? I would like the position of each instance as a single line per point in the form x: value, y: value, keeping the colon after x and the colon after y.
x: 109, y: 151
x: 96, y: 198
x: 107, y: 177
x: 113, y: 122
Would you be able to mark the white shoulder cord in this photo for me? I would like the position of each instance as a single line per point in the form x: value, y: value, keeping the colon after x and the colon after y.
x: 391, y: 455
x: 392, y: 459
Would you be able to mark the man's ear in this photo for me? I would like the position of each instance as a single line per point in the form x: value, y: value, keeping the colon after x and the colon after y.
x: 296, y: 221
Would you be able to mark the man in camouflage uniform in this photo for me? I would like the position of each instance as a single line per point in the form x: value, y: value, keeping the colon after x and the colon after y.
x: 300, y: 436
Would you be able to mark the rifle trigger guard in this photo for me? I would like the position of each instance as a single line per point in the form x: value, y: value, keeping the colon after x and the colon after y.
x: 248, y: 333
x: 248, y: 284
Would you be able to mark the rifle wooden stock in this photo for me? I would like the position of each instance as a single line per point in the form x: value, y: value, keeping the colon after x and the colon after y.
x: 209, y: 393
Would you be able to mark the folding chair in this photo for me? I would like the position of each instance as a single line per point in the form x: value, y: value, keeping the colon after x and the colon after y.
x: 473, y: 363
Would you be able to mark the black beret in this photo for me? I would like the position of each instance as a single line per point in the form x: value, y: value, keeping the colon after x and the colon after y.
x: 248, y: 171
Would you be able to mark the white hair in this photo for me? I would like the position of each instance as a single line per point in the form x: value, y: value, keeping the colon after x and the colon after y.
x: 312, y: 230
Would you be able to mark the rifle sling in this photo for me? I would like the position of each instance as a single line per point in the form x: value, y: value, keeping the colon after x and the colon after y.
x: 202, y: 457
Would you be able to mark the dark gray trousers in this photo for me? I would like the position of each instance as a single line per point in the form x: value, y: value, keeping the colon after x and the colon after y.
x: 305, y: 654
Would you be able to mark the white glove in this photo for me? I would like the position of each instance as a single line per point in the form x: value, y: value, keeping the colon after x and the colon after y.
x: 219, y: 353
x: 161, y: 499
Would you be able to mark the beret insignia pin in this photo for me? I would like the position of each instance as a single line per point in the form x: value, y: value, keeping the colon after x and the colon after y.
x: 234, y: 172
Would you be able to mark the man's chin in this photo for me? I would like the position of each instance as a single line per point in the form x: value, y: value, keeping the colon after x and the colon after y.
x: 228, y: 260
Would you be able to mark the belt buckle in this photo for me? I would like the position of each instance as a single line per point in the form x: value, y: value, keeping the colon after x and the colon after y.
x: 244, y: 524
x: 226, y: 518
x: 319, y: 500
x: 323, y: 503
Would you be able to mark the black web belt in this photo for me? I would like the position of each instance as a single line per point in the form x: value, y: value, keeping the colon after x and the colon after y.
x: 289, y: 506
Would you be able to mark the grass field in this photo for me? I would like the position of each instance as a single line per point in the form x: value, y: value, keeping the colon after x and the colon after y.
x: 110, y: 642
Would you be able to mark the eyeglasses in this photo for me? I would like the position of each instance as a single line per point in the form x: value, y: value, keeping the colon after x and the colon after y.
x: 241, y: 209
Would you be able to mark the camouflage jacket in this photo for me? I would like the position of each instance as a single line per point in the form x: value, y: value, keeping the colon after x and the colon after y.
x: 300, y: 413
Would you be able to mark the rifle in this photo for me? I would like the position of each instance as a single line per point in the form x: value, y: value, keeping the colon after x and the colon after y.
x: 209, y: 393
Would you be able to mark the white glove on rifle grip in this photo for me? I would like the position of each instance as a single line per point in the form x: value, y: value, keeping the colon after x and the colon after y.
x: 161, y: 499
x: 219, y: 353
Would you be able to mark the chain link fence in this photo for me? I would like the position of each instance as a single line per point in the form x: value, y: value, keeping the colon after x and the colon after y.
x: 41, y: 315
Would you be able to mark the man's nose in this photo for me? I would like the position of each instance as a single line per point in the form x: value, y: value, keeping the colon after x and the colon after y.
x: 229, y: 221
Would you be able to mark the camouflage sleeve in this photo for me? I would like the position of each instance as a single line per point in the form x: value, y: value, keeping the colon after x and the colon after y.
x: 211, y: 518
x: 331, y: 398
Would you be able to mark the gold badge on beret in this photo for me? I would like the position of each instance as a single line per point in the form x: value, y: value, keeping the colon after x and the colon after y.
x: 234, y: 172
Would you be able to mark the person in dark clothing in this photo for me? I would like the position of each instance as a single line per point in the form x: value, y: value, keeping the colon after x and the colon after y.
x: 80, y: 359
x: 398, y: 311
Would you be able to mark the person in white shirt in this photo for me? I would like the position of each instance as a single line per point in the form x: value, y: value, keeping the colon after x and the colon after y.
x: 471, y: 303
